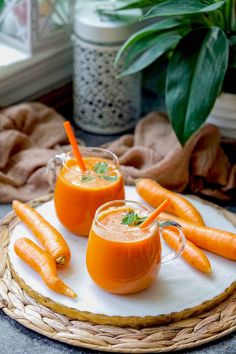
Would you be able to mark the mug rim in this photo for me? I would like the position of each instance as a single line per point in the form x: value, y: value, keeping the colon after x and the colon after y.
x: 90, y: 148
x: 123, y: 201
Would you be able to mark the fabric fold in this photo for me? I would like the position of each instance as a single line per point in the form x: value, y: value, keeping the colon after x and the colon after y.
x: 153, y: 151
x: 30, y: 134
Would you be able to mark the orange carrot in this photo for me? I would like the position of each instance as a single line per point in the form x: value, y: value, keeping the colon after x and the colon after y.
x: 191, y: 253
x: 50, y: 238
x: 154, y: 214
x: 153, y: 193
x: 74, y: 145
x: 43, y: 263
x: 222, y: 243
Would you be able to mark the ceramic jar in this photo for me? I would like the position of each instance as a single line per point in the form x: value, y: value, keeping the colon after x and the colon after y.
x: 103, y: 104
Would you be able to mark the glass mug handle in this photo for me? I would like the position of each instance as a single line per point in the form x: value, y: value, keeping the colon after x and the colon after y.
x: 53, y: 167
x: 173, y: 255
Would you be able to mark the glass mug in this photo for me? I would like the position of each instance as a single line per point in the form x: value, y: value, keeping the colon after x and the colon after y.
x: 78, y: 194
x: 124, y: 259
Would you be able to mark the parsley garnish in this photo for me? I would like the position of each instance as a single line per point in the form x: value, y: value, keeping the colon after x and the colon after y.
x: 87, y: 178
x: 101, y: 167
x: 133, y: 218
x: 110, y: 178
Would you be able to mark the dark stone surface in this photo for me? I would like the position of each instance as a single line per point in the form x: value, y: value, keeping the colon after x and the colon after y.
x: 16, y: 339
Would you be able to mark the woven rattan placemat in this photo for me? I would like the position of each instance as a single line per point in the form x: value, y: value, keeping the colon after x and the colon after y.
x: 188, y: 333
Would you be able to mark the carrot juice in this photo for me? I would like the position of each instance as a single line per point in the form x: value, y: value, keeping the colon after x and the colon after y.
x: 121, y: 257
x: 79, y: 194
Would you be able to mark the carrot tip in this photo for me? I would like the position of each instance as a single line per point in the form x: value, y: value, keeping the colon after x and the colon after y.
x: 61, y: 260
x: 71, y: 293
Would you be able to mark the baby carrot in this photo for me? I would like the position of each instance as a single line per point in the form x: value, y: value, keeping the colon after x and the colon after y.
x: 153, y: 193
x: 43, y: 263
x: 154, y: 214
x: 50, y: 238
x: 222, y: 243
x: 191, y: 253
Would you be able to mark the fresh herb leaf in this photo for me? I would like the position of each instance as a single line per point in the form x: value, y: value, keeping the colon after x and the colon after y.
x: 133, y: 218
x: 109, y: 178
x: 101, y: 167
x: 87, y: 178
x: 128, y: 218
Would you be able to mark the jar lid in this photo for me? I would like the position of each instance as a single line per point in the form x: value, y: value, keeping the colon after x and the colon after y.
x: 91, y: 25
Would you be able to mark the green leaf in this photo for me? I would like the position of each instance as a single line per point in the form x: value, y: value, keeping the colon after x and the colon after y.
x: 138, y: 58
x: 227, y: 12
x: 233, y: 19
x: 128, y: 218
x: 194, y: 78
x: 101, y: 167
x: 118, y: 16
x: 133, y: 218
x: 140, y: 4
x: 87, y: 178
x: 183, y: 7
x: 145, y: 37
x: 110, y: 178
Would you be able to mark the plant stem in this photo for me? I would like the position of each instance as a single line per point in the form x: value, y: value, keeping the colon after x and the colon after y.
x: 206, y: 20
x: 228, y: 14
x: 233, y: 16
x: 216, y: 18
x: 221, y: 19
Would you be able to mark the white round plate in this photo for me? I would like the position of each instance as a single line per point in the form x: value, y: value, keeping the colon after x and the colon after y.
x: 177, y: 287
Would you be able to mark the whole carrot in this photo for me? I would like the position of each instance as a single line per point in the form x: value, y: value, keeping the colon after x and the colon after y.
x: 222, y: 243
x: 191, y: 253
x: 50, y: 238
x: 153, y: 193
x: 43, y: 263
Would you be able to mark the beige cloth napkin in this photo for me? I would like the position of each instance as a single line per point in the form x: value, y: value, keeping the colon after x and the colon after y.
x: 30, y: 134
x: 154, y: 151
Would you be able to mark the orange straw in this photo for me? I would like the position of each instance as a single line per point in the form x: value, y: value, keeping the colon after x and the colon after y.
x: 155, y: 213
x: 74, y: 145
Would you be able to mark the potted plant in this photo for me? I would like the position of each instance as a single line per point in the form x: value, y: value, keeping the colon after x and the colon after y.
x: 198, y: 38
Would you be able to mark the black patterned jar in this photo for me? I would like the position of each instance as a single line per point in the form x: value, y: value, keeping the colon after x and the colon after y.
x: 103, y: 104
